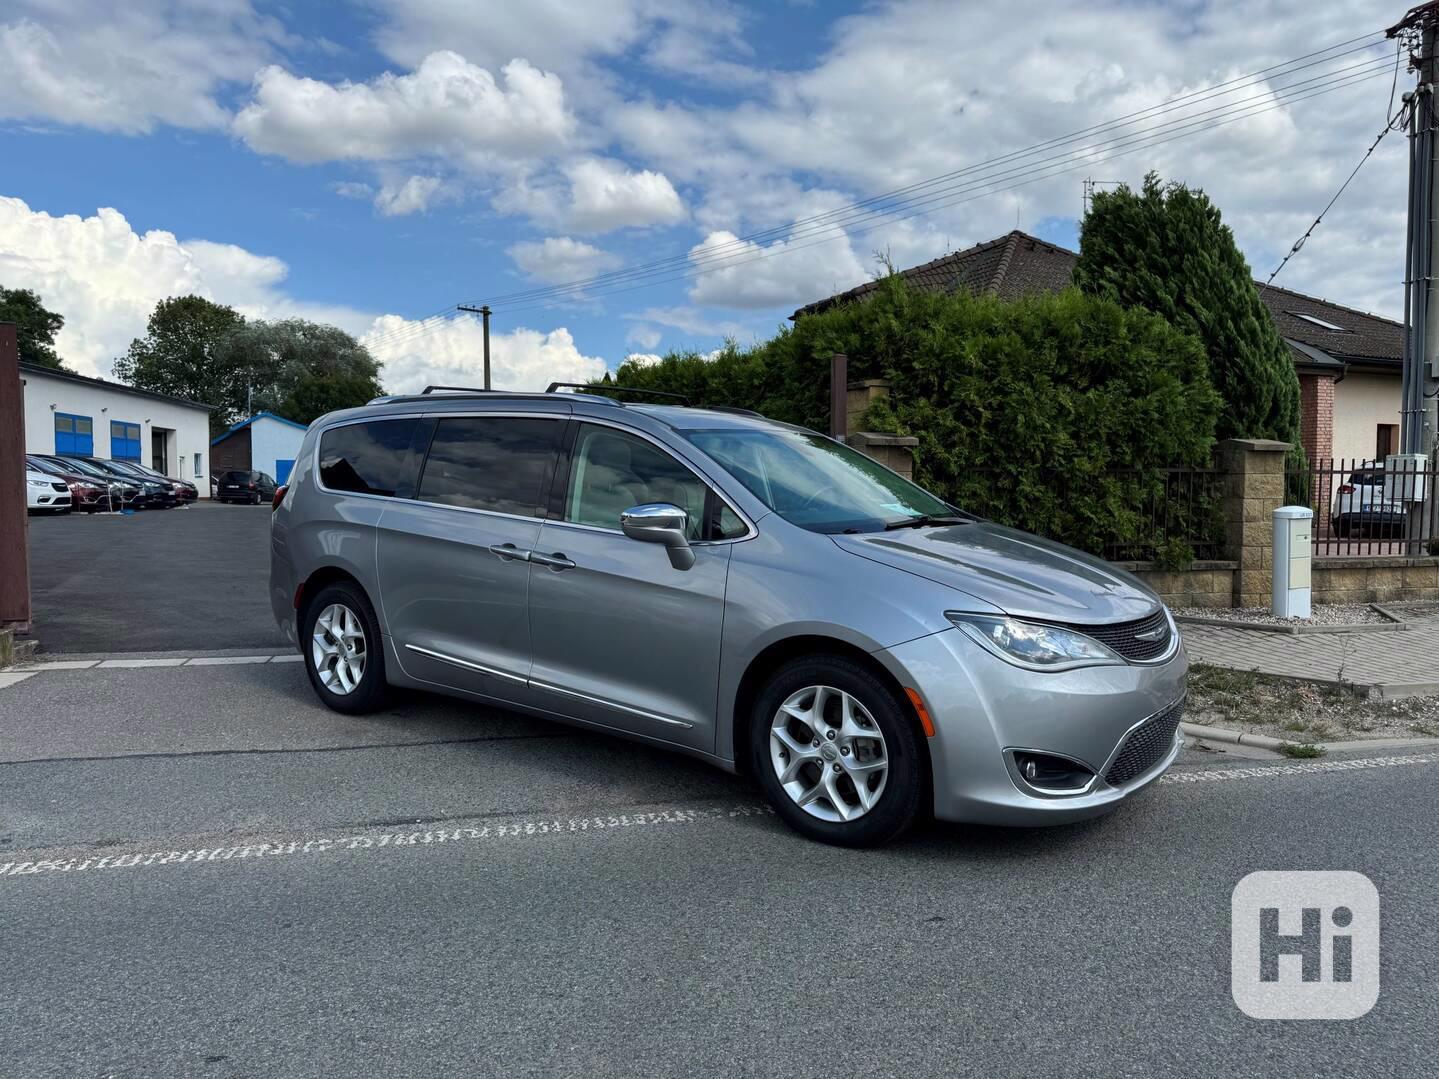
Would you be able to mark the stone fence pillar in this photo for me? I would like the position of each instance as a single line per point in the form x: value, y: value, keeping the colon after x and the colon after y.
x: 1253, y: 490
x: 860, y: 396
x: 895, y: 452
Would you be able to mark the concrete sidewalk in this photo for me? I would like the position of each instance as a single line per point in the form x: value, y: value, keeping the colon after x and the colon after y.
x: 1385, y: 664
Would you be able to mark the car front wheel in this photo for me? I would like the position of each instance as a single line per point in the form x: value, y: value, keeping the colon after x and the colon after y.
x: 343, y: 654
x: 836, y: 753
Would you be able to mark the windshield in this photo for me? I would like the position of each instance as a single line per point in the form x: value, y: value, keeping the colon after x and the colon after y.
x: 818, y: 483
x: 85, y: 467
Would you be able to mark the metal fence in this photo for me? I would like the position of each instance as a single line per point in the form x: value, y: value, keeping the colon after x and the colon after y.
x: 1361, y: 508
x: 1169, y: 515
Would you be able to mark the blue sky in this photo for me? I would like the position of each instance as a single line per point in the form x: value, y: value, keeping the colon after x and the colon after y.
x: 375, y: 162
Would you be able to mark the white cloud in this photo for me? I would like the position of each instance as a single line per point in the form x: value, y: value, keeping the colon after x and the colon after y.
x: 558, y: 260
x: 450, y: 353
x: 737, y: 273
x: 605, y: 195
x: 412, y: 195
x: 642, y: 359
x: 127, y: 67
x: 447, y: 106
x: 352, y: 189
x: 647, y: 337
x: 690, y: 320
x: 105, y: 278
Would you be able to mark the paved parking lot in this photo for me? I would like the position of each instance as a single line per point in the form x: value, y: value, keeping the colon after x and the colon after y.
x: 164, y: 579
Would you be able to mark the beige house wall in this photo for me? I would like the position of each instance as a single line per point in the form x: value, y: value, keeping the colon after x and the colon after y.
x: 1361, y: 403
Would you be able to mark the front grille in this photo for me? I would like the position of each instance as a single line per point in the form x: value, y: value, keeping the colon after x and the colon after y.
x: 59, y: 487
x: 1121, y: 636
x: 1145, y: 746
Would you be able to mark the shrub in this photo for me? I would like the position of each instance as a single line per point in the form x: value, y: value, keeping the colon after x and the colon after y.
x: 1053, y: 413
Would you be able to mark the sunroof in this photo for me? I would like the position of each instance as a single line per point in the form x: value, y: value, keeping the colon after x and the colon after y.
x: 1317, y: 321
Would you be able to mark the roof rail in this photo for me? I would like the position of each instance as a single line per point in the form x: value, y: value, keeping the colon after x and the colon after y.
x: 735, y: 410
x: 455, y: 389
x: 588, y: 389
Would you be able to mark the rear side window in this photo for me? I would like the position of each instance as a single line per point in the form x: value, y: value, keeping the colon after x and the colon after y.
x: 495, y: 463
x: 1373, y: 477
x: 365, y: 458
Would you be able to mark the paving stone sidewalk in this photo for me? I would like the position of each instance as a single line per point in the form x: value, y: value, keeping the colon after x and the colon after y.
x: 1394, y: 664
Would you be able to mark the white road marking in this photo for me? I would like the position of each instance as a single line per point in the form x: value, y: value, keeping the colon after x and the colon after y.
x: 10, y: 679
x: 224, y: 661
x: 61, y: 665
x: 543, y: 827
x: 287, y: 659
x: 142, y: 662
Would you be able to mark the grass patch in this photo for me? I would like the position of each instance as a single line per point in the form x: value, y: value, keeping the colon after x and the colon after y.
x: 1301, y: 750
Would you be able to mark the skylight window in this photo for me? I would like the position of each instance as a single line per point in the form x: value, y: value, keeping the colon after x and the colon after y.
x: 1318, y: 322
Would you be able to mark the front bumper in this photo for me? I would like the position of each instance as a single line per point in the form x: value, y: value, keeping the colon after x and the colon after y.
x: 984, y: 708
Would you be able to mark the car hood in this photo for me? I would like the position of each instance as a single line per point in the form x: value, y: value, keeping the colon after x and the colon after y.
x: 1019, y: 573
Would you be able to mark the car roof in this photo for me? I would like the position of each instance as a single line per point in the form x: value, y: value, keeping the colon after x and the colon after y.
x: 677, y: 417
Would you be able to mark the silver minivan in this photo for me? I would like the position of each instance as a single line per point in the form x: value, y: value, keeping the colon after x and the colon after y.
x: 747, y: 592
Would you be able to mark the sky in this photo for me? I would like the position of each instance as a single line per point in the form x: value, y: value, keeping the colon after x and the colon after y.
x: 376, y: 162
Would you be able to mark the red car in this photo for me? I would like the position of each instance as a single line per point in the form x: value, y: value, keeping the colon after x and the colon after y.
x: 86, y: 492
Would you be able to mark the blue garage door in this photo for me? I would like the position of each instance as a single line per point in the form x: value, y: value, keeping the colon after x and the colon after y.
x: 124, y: 441
x: 74, y: 436
x: 282, y: 470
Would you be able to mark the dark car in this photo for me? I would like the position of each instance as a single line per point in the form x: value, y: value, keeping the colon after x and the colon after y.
x: 128, y: 491
x: 183, y: 490
x: 87, y: 493
x: 250, y: 487
x: 159, y: 493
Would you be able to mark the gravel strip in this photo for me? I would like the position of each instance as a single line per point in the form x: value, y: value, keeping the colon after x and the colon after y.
x: 1300, y: 712
x: 1326, y: 614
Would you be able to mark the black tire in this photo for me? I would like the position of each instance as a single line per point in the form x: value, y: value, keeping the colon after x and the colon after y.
x: 906, y: 788
x: 369, y: 693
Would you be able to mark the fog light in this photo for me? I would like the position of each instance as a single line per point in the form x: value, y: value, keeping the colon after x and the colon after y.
x: 1048, y: 772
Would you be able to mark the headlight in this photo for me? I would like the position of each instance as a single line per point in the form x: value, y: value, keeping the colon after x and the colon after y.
x: 1033, y: 645
x: 38, y: 483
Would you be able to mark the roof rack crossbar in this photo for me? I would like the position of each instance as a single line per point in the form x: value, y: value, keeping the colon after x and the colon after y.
x: 455, y: 389
x: 600, y: 390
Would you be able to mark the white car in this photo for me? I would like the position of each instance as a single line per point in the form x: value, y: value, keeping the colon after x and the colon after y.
x: 1360, y: 505
x: 46, y: 494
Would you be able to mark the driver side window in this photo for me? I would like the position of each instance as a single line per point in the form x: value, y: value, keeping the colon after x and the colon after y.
x: 614, y: 471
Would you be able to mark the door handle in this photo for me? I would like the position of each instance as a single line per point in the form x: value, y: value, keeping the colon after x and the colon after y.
x: 554, y: 561
x: 508, y: 551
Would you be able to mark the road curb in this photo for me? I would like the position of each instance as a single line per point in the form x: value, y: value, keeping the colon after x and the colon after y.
x: 1396, y: 624
x: 1264, y: 741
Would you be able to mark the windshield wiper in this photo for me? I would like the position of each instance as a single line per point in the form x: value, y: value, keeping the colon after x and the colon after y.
x: 925, y: 520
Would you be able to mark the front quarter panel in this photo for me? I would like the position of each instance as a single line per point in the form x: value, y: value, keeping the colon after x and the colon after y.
x: 787, y: 582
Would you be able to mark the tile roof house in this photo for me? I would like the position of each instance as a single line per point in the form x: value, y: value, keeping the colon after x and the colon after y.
x: 1348, y: 361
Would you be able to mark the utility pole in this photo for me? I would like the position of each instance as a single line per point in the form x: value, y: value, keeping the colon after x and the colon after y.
x: 484, y: 313
x: 1418, y: 34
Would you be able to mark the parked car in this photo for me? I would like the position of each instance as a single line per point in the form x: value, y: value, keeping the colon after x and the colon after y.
x: 750, y: 593
x: 245, y: 486
x: 127, y: 493
x: 159, y: 494
x: 45, y: 493
x: 183, y: 490
x: 1360, y: 505
x: 87, y: 493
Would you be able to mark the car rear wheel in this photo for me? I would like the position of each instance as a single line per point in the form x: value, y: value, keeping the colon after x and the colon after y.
x: 836, y: 753
x: 343, y: 654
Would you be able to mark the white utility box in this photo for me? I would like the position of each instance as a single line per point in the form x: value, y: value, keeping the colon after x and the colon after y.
x: 1293, y: 553
x: 1404, y: 477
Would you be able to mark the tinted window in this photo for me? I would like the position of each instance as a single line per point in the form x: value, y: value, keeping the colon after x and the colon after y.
x: 497, y: 463
x: 365, y: 457
x: 614, y: 471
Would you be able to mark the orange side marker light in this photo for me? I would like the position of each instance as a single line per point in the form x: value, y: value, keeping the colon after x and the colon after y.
x: 923, y: 712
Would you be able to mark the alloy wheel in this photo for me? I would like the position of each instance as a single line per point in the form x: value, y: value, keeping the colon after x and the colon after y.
x: 337, y: 647
x: 828, y: 753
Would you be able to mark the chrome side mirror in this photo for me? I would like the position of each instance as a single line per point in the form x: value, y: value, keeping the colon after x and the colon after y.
x: 660, y: 522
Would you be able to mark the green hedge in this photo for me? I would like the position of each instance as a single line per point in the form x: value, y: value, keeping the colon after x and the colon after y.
x: 1054, y: 413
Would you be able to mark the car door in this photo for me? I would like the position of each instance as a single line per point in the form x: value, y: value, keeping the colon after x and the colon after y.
x: 453, y: 566
x: 620, y: 636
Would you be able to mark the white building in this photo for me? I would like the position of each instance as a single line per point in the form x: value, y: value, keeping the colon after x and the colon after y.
x: 263, y: 443
x: 72, y: 414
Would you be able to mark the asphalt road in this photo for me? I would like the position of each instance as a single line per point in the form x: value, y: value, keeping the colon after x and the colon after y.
x: 263, y: 888
x: 153, y: 580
